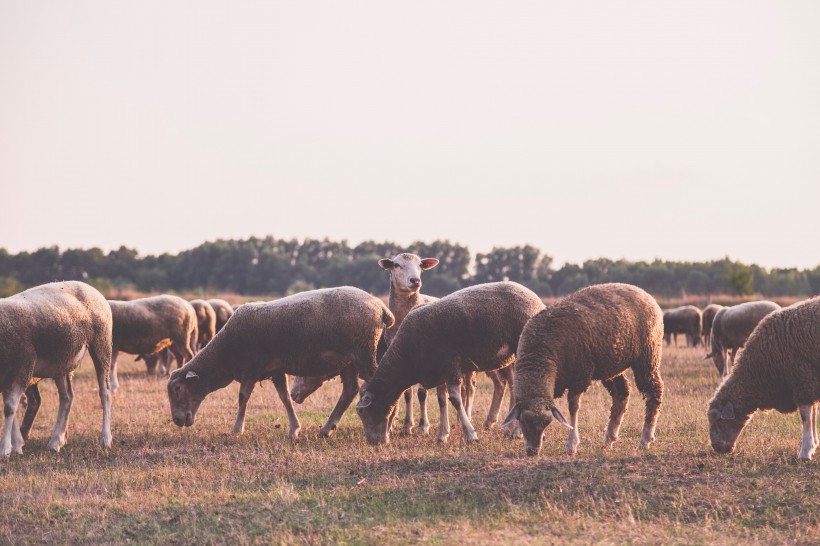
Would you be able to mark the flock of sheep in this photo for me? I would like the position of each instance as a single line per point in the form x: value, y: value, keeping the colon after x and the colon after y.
x: 502, y: 329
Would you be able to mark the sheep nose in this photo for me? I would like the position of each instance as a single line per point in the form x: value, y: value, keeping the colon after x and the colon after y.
x: 532, y: 451
x: 415, y: 281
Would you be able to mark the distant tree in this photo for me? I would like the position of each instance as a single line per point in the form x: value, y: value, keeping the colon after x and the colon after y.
x: 741, y: 280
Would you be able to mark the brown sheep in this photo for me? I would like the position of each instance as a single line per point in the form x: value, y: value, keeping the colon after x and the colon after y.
x: 223, y: 312
x: 148, y: 325
x: 47, y: 331
x: 594, y: 334
x: 779, y: 368
x: 473, y: 329
x: 312, y: 333
x: 708, y: 314
x: 206, y: 322
x: 731, y: 327
x: 683, y: 320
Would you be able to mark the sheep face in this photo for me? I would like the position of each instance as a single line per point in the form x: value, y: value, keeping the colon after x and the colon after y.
x: 534, y: 416
x: 374, y: 415
x: 305, y: 386
x: 185, y: 395
x: 405, y: 271
x: 726, y: 421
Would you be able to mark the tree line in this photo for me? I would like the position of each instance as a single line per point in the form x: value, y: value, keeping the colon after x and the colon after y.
x: 276, y: 267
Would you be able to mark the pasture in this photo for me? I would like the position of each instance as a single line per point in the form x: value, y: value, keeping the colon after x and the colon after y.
x: 163, y: 484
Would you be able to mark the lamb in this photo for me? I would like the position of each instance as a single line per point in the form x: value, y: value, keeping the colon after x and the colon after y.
x: 223, y: 312
x: 472, y: 329
x: 596, y: 333
x: 312, y: 333
x: 731, y: 327
x: 206, y: 322
x: 683, y: 320
x: 148, y: 325
x: 46, y: 331
x: 779, y: 368
x: 708, y: 314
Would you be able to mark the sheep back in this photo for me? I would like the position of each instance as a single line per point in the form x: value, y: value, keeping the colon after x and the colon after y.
x: 148, y: 325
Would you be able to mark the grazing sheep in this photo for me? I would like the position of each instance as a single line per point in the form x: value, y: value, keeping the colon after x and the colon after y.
x: 312, y: 333
x: 594, y: 334
x: 708, y: 314
x: 206, y: 322
x: 223, y: 312
x: 46, y: 331
x: 731, y: 327
x: 683, y: 320
x: 148, y: 325
x: 473, y: 329
x: 158, y: 363
x: 779, y: 368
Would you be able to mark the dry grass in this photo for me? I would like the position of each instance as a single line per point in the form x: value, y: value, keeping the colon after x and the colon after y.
x: 200, y: 485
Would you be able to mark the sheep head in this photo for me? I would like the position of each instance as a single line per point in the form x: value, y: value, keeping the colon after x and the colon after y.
x: 305, y: 386
x: 726, y: 421
x: 534, y: 416
x: 185, y: 393
x: 374, y: 414
x: 405, y: 271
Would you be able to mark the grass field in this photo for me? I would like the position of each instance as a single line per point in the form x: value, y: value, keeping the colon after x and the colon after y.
x: 200, y: 485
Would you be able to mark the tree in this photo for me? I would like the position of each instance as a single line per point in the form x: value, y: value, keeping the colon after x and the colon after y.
x: 741, y: 280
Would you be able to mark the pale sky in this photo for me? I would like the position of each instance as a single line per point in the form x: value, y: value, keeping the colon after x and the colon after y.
x: 677, y: 130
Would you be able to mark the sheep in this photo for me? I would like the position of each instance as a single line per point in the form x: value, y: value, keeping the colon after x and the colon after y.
x: 708, y: 315
x: 731, y: 327
x: 206, y: 322
x: 312, y: 333
x: 475, y: 328
x: 596, y: 333
x: 223, y: 312
x: 158, y: 363
x: 46, y: 333
x: 148, y: 325
x: 683, y: 320
x: 779, y: 368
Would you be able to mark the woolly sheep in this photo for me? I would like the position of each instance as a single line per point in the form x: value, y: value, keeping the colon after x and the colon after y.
x: 44, y: 333
x: 223, y: 312
x: 683, y: 320
x: 708, y: 315
x: 596, y: 333
x: 731, y: 327
x: 779, y: 368
x: 206, y: 322
x: 476, y: 328
x: 312, y: 333
x: 148, y: 325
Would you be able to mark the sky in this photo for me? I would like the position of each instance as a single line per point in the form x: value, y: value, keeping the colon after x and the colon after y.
x: 638, y: 130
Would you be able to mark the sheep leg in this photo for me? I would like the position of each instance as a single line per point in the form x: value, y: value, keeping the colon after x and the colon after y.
x: 115, y: 384
x: 408, y: 411
x: 444, y: 417
x: 454, y: 391
x: 574, y: 399
x: 807, y: 446
x: 498, y: 396
x: 424, y: 421
x: 100, y: 358
x: 11, y: 399
x: 650, y: 386
x: 34, y: 400
x: 816, y: 440
x: 245, y: 390
x: 731, y: 362
x: 66, y: 392
x: 618, y: 388
x: 468, y: 391
x: 17, y: 441
x: 350, y: 388
x: 281, y: 384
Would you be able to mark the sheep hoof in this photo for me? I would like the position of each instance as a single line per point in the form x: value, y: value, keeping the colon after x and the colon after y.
x: 325, y: 432
x: 424, y: 430
x: 471, y: 439
x: 442, y: 439
x: 293, y: 434
x: 407, y: 429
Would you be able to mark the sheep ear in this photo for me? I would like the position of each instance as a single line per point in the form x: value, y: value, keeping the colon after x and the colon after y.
x: 191, y: 376
x: 386, y: 264
x: 428, y: 263
x: 728, y: 412
x: 559, y: 417
x: 365, y: 401
x: 513, y: 416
